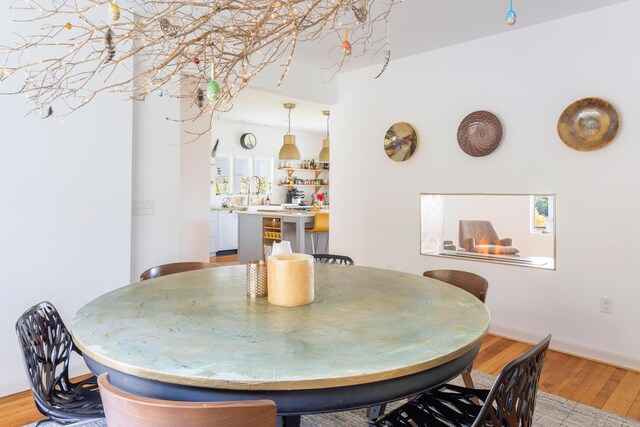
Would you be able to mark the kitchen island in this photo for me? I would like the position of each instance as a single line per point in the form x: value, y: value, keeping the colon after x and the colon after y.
x: 260, y: 227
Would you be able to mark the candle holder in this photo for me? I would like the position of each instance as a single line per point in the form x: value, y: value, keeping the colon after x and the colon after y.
x: 257, y: 279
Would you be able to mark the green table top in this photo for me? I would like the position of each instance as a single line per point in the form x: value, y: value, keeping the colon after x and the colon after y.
x: 198, y: 328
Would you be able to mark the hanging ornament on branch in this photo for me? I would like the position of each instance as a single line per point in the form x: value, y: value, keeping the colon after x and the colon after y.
x: 114, y: 11
x: 387, y: 53
x: 360, y: 12
x: 387, y: 57
x: 511, y: 14
x: 46, y: 113
x: 213, y: 89
x: 109, y: 45
x: 346, y: 46
x: 200, y: 99
x: 168, y: 28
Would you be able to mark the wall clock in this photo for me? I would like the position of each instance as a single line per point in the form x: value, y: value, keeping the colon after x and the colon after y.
x: 248, y: 141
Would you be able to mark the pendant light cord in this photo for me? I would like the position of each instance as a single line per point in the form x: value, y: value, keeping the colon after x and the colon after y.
x: 289, y: 127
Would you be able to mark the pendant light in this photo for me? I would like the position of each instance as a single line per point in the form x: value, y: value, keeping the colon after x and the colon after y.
x: 324, y: 153
x: 289, y: 151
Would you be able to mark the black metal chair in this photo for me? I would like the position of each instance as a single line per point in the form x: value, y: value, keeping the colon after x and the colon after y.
x: 47, y: 345
x: 509, y: 403
x: 332, y: 259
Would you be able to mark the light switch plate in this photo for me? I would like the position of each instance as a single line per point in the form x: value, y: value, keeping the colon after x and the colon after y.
x: 142, y: 207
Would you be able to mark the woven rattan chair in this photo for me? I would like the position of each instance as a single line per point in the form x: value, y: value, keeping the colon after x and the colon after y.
x: 46, y: 346
x: 176, y: 267
x: 470, y: 282
x: 126, y: 410
x: 332, y: 259
x: 510, y: 402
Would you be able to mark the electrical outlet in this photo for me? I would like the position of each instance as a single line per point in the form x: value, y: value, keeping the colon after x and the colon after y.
x: 142, y: 207
x: 606, y: 305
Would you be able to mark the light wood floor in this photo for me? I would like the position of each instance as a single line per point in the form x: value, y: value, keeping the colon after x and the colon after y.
x: 595, y: 384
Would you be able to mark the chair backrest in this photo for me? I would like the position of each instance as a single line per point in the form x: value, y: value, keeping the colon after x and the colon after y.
x: 46, y: 346
x: 482, y: 231
x: 125, y: 410
x: 176, y: 267
x: 320, y: 222
x: 512, y: 398
x: 470, y: 282
x: 332, y: 259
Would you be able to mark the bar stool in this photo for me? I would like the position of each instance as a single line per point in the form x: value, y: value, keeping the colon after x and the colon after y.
x: 320, y: 225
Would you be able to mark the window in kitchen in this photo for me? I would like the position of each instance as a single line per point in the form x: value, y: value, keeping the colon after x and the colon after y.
x: 263, y: 169
x: 223, y: 170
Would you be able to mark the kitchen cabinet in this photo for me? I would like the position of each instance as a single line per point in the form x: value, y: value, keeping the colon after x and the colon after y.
x: 227, y: 230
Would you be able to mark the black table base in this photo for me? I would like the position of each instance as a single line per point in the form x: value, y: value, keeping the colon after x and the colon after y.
x: 296, y: 402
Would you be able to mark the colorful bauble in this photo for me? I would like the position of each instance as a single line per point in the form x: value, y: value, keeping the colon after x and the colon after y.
x: 346, y: 46
x: 196, y: 61
x: 213, y: 90
x: 511, y: 17
x: 160, y: 93
x: 68, y: 26
x: 114, y: 11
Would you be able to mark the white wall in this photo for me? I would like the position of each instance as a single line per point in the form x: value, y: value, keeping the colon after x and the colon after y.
x: 527, y: 77
x: 65, y: 209
x: 175, y: 177
x: 195, y: 160
x: 269, y: 143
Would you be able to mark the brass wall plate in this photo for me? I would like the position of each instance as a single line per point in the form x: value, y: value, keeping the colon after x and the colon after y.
x: 588, y: 124
x: 400, y: 142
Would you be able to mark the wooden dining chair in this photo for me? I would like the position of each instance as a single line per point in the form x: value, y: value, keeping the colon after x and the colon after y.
x: 173, y: 268
x: 470, y: 282
x: 510, y: 402
x: 126, y: 410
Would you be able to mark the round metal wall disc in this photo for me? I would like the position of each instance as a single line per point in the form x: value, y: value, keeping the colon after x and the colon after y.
x: 588, y: 124
x: 400, y: 142
x: 479, y: 133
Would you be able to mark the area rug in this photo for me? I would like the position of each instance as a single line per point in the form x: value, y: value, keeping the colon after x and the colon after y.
x: 551, y: 411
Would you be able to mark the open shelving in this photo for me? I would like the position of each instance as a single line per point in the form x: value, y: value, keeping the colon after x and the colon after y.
x: 317, y: 173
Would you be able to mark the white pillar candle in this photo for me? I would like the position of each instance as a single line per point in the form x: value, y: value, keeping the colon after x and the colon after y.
x: 290, y: 279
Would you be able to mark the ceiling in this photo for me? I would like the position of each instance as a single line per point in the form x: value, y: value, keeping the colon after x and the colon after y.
x: 421, y: 25
x: 415, y: 26
x: 258, y: 107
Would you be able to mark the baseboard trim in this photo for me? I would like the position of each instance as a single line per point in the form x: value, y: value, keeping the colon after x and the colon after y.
x: 570, y: 349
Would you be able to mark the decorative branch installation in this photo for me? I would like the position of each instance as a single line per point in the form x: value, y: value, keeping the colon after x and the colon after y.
x: 137, y: 47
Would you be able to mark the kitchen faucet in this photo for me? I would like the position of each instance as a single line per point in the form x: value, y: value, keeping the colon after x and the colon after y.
x: 249, y: 189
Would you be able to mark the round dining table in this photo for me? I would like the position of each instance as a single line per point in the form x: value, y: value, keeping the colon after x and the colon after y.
x: 371, y: 336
